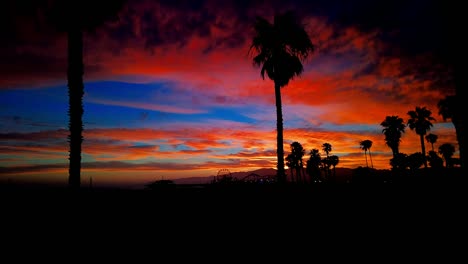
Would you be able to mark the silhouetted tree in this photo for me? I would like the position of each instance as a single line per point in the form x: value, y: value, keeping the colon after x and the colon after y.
x: 415, y: 161
x: 280, y: 48
x: 74, y: 17
x: 420, y: 121
x: 290, y: 164
x: 431, y: 138
x: 393, y: 128
x: 298, y: 152
x: 453, y: 24
x: 334, y: 160
x: 399, y: 162
x: 447, y: 150
x: 365, y: 152
x: 313, y: 165
x: 450, y: 108
x: 434, y: 160
x: 327, y: 148
x: 366, y: 146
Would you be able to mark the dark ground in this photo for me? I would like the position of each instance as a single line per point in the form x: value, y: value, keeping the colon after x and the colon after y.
x: 393, y: 219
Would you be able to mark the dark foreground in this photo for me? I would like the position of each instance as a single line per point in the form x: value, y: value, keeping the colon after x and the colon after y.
x: 239, y: 197
x: 237, y: 218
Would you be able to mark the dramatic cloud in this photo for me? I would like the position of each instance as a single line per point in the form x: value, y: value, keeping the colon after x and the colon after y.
x: 170, y: 88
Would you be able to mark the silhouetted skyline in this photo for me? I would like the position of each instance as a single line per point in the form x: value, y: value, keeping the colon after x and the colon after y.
x: 170, y: 90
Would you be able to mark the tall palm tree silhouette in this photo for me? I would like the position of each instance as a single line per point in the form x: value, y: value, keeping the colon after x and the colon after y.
x: 280, y: 49
x: 327, y: 148
x: 420, y: 121
x: 74, y: 17
x: 297, y: 153
x: 450, y: 108
x: 431, y: 138
x: 447, y: 150
x: 393, y: 129
x: 366, y: 146
x: 290, y: 164
x: 313, y: 165
x: 334, y: 160
x: 453, y: 21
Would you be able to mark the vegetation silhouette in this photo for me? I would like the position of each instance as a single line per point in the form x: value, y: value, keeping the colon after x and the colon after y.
x: 454, y: 106
x: 420, y: 121
x: 297, y: 152
x: 434, y: 160
x: 447, y: 150
x: 313, y: 166
x: 74, y: 17
x: 393, y: 129
x: 366, y: 146
x: 431, y: 138
x: 161, y: 185
x: 280, y: 47
x: 451, y: 108
x: 333, y: 160
x: 327, y: 148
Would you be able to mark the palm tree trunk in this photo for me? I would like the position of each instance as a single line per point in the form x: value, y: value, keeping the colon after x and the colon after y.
x: 460, y: 131
x: 370, y: 157
x: 298, y: 175
x: 279, y: 135
x: 423, y: 148
x: 365, y: 155
x: 75, y: 111
x: 460, y: 120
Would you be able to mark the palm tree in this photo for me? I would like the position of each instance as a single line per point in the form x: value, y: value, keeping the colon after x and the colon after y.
x: 434, y: 160
x: 366, y: 145
x: 327, y: 148
x: 399, y: 162
x: 290, y: 164
x: 431, y: 138
x: 393, y: 128
x: 298, y: 152
x: 280, y: 48
x: 313, y: 165
x: 454, y: 52
x: 334, y: 160
x: 420, y: 121
x: 450, y: 108
x: 447, y: 150
x: 74, y: 17
x: 415, y: 161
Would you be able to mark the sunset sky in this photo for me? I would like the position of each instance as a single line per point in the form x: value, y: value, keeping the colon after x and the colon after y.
x: 171, y: 91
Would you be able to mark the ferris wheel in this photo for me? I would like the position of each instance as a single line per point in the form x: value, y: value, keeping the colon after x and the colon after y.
x: 223, y: 173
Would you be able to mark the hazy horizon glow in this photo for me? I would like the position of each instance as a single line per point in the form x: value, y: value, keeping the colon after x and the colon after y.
x: 171, y: 92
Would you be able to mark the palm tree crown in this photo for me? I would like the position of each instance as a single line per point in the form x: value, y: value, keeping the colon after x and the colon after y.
x: 298, y: 153
x: 366, y: 146
x: 327, y: 148
x: 393, y: 128
x: 420, y: 121
x: 432, y: 138
x: 447, y: 150
x: 280, y: 47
